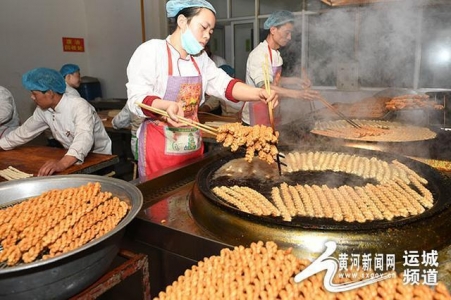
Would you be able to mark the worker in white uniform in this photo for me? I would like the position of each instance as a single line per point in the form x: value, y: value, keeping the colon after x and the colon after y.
x: 71, y: 74
x: 279, y: 25
x: 173, y: 75
x: 72, y: 121
x: 126, y: 119
x: 218, y: 60
x: 9, y: 118
x: 72, y: 77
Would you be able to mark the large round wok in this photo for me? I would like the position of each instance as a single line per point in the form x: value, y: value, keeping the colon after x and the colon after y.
x: 426, y: 231
x: 65, y: 275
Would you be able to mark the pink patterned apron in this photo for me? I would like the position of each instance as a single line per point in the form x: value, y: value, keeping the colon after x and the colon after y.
x: 162, y: 146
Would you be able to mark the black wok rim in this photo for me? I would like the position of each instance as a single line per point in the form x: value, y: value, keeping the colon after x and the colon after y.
x: 438, y: 184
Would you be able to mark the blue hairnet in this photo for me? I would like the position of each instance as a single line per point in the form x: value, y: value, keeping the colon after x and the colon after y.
x: 278, y: 18
x: 173, y: 7
x: 44, y: 79
x: 228, y: 69
x: 69, y: 69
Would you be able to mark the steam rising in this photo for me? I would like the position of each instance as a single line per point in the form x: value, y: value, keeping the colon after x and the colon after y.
x: 386, y: 41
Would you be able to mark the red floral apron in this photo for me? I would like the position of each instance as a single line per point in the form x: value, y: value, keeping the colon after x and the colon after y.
x: 162, y: 146
x: 258, y: 111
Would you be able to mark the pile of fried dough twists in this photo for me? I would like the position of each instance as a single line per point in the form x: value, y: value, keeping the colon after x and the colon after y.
x: 258, y: 139
x: 56, y: 222
x: 421, y: 101
x: 263, y: 271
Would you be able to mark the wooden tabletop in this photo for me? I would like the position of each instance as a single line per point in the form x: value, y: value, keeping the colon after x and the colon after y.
x: 29, y: 159
x: 106, y: 120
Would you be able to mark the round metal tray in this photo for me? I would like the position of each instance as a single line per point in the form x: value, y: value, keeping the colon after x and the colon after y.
x: 65, y: 275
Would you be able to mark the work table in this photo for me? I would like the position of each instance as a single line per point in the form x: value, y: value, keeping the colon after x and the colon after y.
x: 29, y: 159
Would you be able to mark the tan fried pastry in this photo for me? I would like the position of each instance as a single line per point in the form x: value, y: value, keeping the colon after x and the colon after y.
x: 44, y: 226
x: 259, y: 140
x: 262, y: 271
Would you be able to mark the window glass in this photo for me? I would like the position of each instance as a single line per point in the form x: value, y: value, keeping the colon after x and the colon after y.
x: 268, y: 6
x: 435, y: 70
x: 243, y: 8
x: 220, y: 7
x: 243, y: 46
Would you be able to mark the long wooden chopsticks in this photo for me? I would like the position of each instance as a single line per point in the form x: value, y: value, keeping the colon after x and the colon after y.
x: 200, y: 126
x: 335, y: 110
x: 268, y: 89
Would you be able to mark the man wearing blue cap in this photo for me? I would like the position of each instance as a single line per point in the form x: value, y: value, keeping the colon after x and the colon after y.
x: 72, y: 121
x: 266, y: 55
x: 71, y: 74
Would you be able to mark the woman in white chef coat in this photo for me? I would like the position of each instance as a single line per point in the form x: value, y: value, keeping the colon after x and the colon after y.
x: 280, y: 26
x: 173, y: 75
x: 72, y: 121
x: 9, y: 118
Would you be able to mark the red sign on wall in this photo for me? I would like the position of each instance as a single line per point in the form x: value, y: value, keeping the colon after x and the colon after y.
x: 73, y: 44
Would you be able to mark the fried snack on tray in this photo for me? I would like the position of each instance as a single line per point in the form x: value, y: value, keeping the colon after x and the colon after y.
x: 399, y: 192
x: 258, y: 139
x: 56, y: 222
x: 373, y: 130
x: 262, y: 271
x: 412, y: 102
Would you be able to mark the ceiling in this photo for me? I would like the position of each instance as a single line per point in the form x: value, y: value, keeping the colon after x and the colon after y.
x: 360, y: 2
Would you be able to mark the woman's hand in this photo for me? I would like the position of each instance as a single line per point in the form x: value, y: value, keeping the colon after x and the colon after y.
x: 272, y: 98
x: 174, y: 110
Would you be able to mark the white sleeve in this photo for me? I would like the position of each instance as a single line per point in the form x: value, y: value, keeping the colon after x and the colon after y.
x: 122, y: 119
x: 147, y: 74
x: 212, y: 102
x: 30, y: 129
x: 254, y: 68
x: 6, y: 106
x: 214, y: 79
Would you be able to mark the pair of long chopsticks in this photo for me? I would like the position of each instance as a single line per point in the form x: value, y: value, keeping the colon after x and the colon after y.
x: 183, y: 120
x: 332, y: 108
x: 268, y: 89
x: 270, y: 108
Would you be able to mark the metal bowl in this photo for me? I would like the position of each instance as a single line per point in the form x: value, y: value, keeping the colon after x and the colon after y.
x: 68, y: 274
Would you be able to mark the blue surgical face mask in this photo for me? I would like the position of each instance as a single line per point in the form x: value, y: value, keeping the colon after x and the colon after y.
x: 189, y: 43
